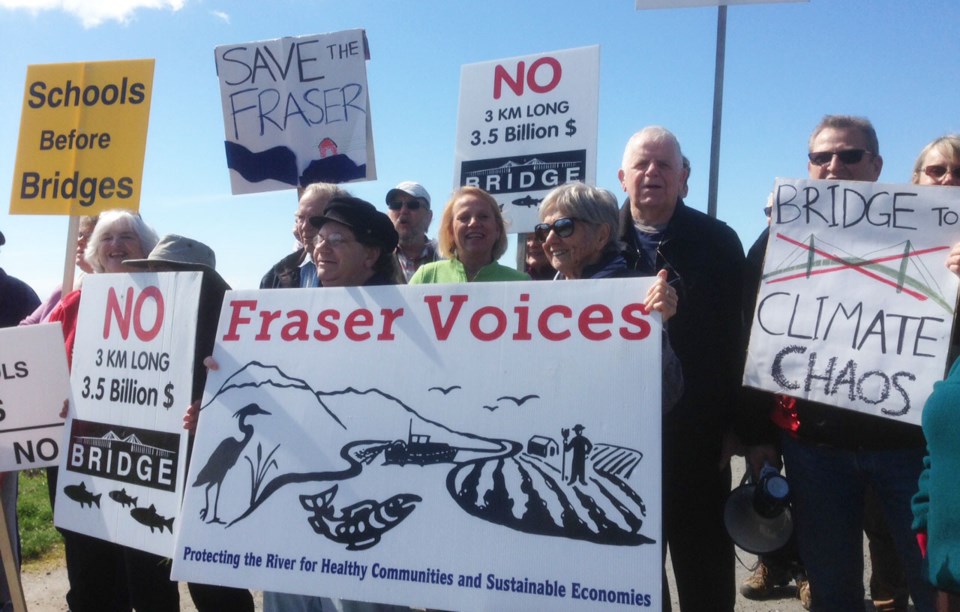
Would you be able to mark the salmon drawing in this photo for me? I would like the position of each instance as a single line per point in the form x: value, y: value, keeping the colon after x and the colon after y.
x: 360, y: 525
x: 79, y: 493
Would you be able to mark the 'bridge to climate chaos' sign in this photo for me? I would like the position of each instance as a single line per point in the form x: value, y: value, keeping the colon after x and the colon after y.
x: 856, y: 306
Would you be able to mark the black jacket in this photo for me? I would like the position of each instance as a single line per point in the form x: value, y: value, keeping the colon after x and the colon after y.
x: 285, y: 274
x: 705, y: 262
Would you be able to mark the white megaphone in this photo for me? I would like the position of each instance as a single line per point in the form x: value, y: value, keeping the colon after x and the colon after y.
x: 757, y: 515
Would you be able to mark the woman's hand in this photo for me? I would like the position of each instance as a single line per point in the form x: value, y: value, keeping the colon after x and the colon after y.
x: 663, y: 298
x: 191, y: 416
x: 953, y: 259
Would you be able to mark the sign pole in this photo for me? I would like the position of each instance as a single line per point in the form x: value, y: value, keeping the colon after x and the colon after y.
x: 73, y: 231
x: 11, y: 568
x: 717, y: 110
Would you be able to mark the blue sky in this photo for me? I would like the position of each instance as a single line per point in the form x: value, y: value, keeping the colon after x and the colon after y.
x: 787, y: 65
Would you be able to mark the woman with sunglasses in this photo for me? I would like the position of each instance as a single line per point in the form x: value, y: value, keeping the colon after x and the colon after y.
x: 578, y: 231
x: 935, y: 506
x: 939, y: 163
x: 473, y: 236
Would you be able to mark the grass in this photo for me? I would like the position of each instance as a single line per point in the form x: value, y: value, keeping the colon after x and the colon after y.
x: 39, y: 539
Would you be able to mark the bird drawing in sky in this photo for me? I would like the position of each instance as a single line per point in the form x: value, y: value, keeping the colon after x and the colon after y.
x: 442, y: 390
x: 519, y: 401
x: 223, y: 458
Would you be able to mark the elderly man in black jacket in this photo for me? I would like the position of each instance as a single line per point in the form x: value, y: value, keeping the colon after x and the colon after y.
x: 705, y: 262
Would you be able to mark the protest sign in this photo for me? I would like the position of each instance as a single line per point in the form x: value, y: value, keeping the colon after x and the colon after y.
x: 83, y: 132
x: 33, y: 386
x: 526, y: 125
x: 296, y: 111
x: 346, y: 428
x: 122, y: 471
x: 856, y: 306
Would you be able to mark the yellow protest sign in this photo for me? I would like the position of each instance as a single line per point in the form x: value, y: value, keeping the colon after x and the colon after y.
x: 83, y: 132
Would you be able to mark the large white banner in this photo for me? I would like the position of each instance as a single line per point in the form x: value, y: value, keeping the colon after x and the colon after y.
x: 526, y: 125
x: 33, y: 386
x: 469, y: 447
x: 121, y: 473
x: 296, y: 111
x: 856, y: 306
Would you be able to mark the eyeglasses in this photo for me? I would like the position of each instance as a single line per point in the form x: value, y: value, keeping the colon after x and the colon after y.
x: 937, y: 172
x: 411, y: 205
x: 847, y: 158
x: 334, y: 241
x: 562, y: 227
x: 768, y: 210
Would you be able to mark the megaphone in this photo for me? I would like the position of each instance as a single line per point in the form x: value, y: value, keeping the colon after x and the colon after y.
x: 757, y: 515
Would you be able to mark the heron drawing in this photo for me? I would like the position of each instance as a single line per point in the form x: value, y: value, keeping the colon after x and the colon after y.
x: 223, y: 458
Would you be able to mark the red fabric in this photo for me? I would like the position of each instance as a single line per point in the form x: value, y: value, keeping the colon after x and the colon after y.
x: 784, y: 414
x: 922, y: 542
x: 66, y: 312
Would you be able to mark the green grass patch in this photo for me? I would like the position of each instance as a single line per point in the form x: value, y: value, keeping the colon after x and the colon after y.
x: 38, y: 536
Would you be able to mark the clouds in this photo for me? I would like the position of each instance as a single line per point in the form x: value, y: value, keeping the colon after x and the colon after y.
x: 92, y: 13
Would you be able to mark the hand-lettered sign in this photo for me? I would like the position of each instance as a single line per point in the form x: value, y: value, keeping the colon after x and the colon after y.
x: 122, y: 471
x: 33, y: 386
x: 856, y: 306
x: 296, y: 111
x: 346, y: 428
x: 526, y: 125
x: 83, y: 132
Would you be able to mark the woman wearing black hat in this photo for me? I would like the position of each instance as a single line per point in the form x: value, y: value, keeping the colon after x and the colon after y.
x: 353, y: 247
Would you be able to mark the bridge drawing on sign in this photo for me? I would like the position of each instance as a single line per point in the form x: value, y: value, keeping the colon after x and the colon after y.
x: 899, y: 266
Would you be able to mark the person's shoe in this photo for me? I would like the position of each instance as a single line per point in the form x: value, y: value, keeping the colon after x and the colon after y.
x: 803, y: 591
x: 762, y: 582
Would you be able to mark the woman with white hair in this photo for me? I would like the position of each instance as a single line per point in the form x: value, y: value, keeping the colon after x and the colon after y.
x: 95, y: 568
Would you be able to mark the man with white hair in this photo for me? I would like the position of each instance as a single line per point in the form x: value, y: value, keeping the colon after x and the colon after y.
x: 704, y: 259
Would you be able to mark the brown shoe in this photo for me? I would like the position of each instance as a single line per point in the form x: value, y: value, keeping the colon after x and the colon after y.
x: 762, y: 582
x: 803, y: 591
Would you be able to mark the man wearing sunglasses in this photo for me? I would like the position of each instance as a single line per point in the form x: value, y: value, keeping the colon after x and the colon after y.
x: 704, y: 261
x: 408, y: 206
x: 849, y: 472
x: 297, y: 269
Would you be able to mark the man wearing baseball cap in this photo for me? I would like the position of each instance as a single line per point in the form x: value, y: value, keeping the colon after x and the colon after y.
x: 408, y: 206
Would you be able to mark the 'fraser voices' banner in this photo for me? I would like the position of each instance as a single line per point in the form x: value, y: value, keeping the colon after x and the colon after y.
x: 475, y: 446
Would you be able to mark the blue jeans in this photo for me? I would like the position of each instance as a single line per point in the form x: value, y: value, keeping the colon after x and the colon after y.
x: 827, y: 486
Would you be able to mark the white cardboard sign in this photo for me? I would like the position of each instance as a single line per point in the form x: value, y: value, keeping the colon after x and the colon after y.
x: 526, y: 125
x: 33, y: 385
x: 856, y: 306
x: 122, y: 471
x: 296, y: 110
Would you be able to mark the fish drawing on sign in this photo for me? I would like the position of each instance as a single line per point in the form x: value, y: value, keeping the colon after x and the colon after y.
x: 527, y: 201
x: 360, y: 525
x: 150, y: 518
x: 123, y: 499
x: 79, y: 493
x: 224, y: 457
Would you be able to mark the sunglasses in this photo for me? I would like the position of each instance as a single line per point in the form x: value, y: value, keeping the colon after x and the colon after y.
x: 562, y: 227
x: 411, y: 205
x: 937, y: 172
x: 847, y: 158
